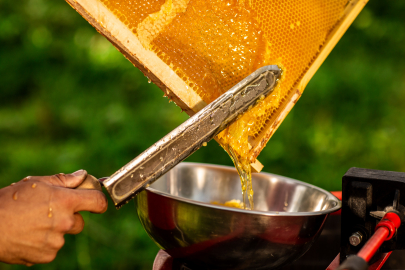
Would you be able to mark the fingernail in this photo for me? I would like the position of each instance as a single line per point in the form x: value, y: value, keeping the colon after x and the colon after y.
x: 79, y: 173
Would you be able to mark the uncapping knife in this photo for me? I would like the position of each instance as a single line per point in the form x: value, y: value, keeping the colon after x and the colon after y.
x: 187, y: 138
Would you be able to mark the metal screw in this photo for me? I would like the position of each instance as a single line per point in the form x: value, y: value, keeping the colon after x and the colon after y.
x: 355, y: 238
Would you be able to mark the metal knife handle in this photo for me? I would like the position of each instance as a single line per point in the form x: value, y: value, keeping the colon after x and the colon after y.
x: 190, y: 136
x: 90, y: 183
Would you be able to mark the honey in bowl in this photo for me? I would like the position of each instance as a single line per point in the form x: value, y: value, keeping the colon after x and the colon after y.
x: 231, y: 203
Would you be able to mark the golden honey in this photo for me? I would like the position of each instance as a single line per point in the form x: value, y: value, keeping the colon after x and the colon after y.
x: 213, y: 44
x: 231, y: 203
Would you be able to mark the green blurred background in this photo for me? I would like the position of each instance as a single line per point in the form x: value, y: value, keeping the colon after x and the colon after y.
x: 70, y: 100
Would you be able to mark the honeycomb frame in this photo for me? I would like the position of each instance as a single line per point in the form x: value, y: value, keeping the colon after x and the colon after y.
x: 174, y: 87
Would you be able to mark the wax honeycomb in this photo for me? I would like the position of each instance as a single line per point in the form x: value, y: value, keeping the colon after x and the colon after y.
x: 213, y: 44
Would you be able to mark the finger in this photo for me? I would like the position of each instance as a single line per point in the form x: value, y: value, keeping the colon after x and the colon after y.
x: 88, y: 200
x: 63, y: 180
x: 78, y: 224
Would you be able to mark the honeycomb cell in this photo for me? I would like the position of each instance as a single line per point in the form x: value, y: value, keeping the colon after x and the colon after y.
x: 214, y: 44
x: 133, y: 12
x: 220, y: 43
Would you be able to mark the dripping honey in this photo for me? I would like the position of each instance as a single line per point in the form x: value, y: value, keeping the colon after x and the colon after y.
x: 212, y: 45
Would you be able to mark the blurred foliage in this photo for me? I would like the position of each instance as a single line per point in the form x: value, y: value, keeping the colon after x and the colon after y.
x: 69, y: 100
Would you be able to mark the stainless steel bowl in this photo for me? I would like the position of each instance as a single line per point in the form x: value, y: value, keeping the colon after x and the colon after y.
x: 287, y: 218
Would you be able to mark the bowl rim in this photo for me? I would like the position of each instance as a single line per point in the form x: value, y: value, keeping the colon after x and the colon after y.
x: 256, y: 212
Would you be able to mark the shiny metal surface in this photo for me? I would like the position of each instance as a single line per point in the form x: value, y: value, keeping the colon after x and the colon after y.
x: 90, y: 183
x: 288, y: 216
x: 190, y: 136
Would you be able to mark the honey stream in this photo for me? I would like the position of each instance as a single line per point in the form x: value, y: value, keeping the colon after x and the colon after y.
x: 245, y: 174
x: 213, y: 44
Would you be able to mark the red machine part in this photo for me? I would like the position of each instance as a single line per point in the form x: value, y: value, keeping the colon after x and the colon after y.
x: 375, y: 266
x: 391, y: 221
x: 372, y: 245
x: 385, y: 230
x: 337, y: 194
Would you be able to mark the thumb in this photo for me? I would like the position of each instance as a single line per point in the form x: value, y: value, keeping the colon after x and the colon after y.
x: 63, y: 180
x: 75, y: 179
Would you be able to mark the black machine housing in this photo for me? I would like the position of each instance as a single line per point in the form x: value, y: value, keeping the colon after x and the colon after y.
x: 365, y: 191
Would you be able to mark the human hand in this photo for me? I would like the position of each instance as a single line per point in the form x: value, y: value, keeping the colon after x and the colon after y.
x: 37, y: 211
